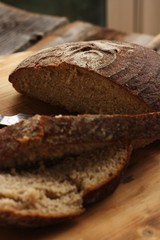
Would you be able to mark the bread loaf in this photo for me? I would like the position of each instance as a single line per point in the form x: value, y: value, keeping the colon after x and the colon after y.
x: 93, y: 77
x: 50, y: 138
x: 85, y: 77
x: 32, y: 198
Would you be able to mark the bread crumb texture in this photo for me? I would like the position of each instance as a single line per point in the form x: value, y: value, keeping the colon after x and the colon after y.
x: 51, y: 192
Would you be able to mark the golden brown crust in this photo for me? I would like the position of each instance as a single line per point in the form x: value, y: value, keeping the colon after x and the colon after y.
x: 131, y: 66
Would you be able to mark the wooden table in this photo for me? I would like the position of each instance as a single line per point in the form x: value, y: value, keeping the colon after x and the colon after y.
x: 20, y: 30
x: 132, y: 211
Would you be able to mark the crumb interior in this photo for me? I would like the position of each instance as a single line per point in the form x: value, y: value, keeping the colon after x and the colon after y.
x: 59, y: 189
x: 77, y: 90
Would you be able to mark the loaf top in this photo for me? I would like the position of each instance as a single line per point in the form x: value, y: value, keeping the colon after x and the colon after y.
x: 134, y: 67
x: 98, y: 56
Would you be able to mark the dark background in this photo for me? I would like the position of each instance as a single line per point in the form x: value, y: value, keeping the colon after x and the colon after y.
x: 87, y: 10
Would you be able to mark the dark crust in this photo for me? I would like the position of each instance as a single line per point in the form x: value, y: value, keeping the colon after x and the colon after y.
x: 102, y: 192
x: 10, y: 218
x: 135, y: 68
x: 106, y: 189
x: 43, y: 137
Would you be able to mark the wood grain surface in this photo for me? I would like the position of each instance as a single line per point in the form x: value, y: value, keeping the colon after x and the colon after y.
x: 131, y: 213
x: 20, y: 29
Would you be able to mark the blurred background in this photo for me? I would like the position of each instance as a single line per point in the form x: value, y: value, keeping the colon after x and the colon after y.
x: 88, y: 10
x: 142, y: 16
x: 126, y: 15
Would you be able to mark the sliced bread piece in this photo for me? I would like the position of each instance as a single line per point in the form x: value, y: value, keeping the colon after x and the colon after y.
x: 48, y: 194
x: 43, y: 137
x: 93, y: 77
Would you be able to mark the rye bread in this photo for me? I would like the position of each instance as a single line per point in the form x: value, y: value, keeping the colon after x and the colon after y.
x: 50, y: 138
x: 45, y: 195
x: 93, y: 77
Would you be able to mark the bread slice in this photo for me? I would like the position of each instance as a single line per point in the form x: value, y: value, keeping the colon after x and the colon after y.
x: 93, y: 77
x: 45, y: 195
x: 50, y: 138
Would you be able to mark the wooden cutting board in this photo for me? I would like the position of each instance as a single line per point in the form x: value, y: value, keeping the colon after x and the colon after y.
x: 132, y: 212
